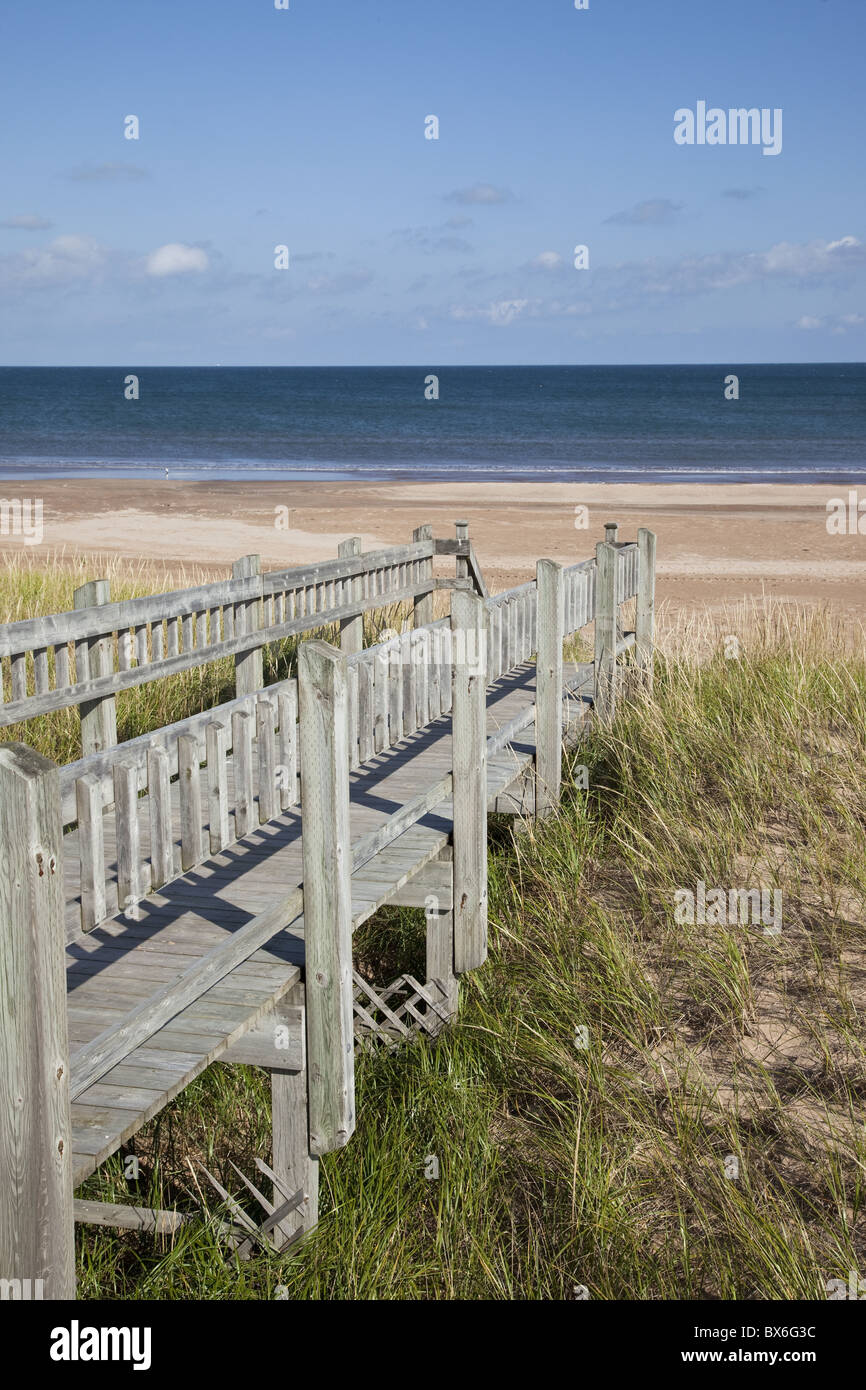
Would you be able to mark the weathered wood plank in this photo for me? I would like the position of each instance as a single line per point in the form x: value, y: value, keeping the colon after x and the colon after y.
x: 91, y: 850
x: 219, y: 833
x: 606, y: 617
x: 287, y: 703
x: 278, y: 1041
x: 249, y: 675
x: 295, y: 1165
x: 548, y: 720
x: 267, y: 750
x: 189, y: 786
x: 98, y: 717
x: 27, y: 706
x: 159, y: 809
x: 469, y: 718
x: 327, y: 894
x: 98, y: 620
x: 37, y: 1237
x: 366, y: 710
x: 645, y: 609
x: 136, y: 750
x: 242, y: 748
x: 351, y: 629
x: 422, y: 608
x: 111, y: 1046
x: 130, y: 876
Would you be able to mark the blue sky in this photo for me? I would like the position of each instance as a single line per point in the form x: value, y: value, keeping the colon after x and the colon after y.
x: 305, y: 127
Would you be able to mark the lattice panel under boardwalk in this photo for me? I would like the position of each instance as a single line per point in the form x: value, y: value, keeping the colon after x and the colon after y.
x: 398, y: 1012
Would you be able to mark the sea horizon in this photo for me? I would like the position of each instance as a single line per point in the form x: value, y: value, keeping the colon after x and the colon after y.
x: 747, y: 422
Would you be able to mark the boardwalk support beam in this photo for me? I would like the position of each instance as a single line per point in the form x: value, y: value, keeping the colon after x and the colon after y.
x: 439, y: 919
x: 548, y: 674
x: 324, y: 747
x: 37, y: 1229
x: 294, y: 1163
x: 469, y: 730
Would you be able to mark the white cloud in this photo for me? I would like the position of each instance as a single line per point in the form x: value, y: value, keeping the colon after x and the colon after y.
x: 480, y: 193
x: 26, y: 222
x: 113, y: 172
x: 547, y: 260
x: 813, y: 257
x: 655, y: 281
x: 62, y: 261
x: 175, y: 259
x: 431, y: 239
x: 833, y: 323
x: 653, y: 212
x: 725, y: 270
x: 500, y: 313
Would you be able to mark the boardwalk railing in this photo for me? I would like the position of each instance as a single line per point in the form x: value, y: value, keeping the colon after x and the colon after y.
x: 138, y: 816
x: 85, y: 657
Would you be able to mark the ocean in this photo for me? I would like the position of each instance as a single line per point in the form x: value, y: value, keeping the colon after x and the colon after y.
x: 791, y: 423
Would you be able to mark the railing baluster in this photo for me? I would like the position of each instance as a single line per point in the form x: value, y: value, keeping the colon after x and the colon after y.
x: 218, y: 792
x: 91, y: 850
x: 189, y: 786
x: 242, y: 759
x: 266, y: 741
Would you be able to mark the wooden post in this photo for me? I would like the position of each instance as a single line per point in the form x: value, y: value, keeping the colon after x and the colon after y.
x: 440, y: 952
x: 611, y: 535
x: 324, y: 748
x: 606, y: 613
x: 293, y: 1162
x: 249, y: 672
x: 352, y: 629
x: 37, y: 1234
x: 462, y: 564
x: 645, y: 609
x: 469, y: 763
x: 98, y: 717
x: 422, y: 608
x: 550, y: 580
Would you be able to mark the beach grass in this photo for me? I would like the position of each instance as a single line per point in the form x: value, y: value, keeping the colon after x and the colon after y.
x: 629, y: 1106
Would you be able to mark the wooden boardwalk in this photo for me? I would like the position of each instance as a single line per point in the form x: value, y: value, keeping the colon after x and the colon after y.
x: 190, y: 896
x: 120, y: 963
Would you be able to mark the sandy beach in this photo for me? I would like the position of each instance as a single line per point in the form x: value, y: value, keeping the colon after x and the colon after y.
x: 715, y: 543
